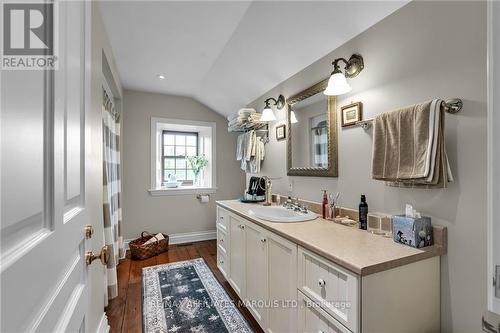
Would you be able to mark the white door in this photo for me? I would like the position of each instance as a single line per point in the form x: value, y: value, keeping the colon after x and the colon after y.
x: 44, y: 188
x: 237, y: 255
x: 256, y: 272
x: 282, y: 285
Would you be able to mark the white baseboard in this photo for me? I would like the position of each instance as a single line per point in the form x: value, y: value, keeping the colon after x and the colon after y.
x: 187, y: 237
x: 103, y: 324
x: 190, y: 237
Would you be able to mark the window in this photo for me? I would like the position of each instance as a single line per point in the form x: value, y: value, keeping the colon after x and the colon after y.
x: 172, y: 141
x: 176, y: 147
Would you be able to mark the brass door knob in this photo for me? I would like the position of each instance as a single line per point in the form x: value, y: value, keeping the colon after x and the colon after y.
x: 89, y: 231
x: 103, y: 256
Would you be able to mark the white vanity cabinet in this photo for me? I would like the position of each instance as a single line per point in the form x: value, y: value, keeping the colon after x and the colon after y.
x: 289, y: 288
x: 263, y: 272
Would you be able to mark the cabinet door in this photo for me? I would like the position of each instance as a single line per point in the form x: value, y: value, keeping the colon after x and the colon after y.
x: 222, y: 218
x: 256, y: 272
x: 222, y: 252
x: 313, y: 319
x: 330, y: 286
x: 282, y: 284
x: 237, y: 255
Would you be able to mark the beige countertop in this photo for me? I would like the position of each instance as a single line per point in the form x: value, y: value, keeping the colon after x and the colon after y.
x: 356, y: 250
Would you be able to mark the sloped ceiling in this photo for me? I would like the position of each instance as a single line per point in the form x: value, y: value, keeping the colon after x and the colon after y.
x: 226, y: 54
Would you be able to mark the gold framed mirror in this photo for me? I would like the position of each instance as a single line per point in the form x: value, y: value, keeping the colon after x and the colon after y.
x: 312, y: 141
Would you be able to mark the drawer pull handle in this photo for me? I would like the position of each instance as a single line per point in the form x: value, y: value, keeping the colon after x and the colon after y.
x: 242, y: 226
x: 321, y: 332
x: 321, y: 282
x: 221, y: 240
x: 222, y: 217
x: 263, y: 240
x: 221, y: 262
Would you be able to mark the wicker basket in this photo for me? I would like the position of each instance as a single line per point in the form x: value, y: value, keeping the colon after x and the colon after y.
x: 140, y: 251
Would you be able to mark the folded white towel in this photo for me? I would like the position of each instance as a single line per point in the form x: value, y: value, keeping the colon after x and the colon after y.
x: 243, y: 113
x: 156, y: 238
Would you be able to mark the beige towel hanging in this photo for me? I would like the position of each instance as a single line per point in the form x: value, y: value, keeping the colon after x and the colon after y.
x: 409, y: 148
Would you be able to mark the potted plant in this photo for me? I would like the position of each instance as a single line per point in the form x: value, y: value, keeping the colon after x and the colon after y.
x: 197, y: 164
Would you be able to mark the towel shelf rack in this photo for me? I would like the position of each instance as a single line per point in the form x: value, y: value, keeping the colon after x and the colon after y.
x: 453, y: 105
x: 263, y: 132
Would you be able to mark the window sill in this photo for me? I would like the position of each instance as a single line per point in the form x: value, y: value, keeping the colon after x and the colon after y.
x: 183, y: 190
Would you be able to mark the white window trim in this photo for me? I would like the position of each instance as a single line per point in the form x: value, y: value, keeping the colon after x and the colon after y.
x: 155, y: 189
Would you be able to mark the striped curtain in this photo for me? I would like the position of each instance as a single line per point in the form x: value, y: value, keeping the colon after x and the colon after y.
x: 111, y: 192
x: 320, y: 146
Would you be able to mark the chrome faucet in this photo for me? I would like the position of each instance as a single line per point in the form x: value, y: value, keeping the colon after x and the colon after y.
x: 295, y: 205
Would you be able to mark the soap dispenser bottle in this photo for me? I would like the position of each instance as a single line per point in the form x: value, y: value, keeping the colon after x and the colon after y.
x: 363, y: 213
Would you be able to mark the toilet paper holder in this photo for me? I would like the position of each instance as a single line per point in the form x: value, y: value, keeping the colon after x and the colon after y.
x: 199, y: 196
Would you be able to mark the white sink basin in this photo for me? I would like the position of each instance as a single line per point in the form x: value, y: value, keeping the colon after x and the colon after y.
x: 280, y: 214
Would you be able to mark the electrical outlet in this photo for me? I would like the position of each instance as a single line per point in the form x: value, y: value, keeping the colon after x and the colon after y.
x: 290, y: 188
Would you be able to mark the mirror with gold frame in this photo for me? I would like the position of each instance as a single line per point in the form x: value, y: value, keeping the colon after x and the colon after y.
x: 312, y: 135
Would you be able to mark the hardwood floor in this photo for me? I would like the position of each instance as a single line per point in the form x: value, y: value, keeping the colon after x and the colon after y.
x: 125, y: 311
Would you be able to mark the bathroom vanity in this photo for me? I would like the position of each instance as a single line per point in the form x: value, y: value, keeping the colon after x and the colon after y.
x: 319, y: 276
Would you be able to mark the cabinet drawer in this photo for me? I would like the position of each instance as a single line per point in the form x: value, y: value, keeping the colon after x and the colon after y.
x: 222, y: 263
x: 313, y: 319
x: 331, y: 287
x: 222, y: 240
x: 222, y: 218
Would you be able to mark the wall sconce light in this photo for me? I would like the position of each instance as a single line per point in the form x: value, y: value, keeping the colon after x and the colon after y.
x: 267, y: 113
x: 337, y: 84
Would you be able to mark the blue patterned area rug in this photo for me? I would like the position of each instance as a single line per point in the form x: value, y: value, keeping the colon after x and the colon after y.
x: 186, y: 297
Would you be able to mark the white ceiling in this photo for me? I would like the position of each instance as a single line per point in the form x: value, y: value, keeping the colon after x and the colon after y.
x: 226, y: 54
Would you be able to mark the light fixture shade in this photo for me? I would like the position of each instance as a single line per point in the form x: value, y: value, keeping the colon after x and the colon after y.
x: 293, y: 119
x: 267, y: 115
x: 337, y: 85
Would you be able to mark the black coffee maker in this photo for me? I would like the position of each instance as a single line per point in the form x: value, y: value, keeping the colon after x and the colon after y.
x: 257, y: 186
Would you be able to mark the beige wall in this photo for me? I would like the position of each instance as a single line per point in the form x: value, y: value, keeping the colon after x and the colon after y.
x: 422, y: 51
x: 170, y: 214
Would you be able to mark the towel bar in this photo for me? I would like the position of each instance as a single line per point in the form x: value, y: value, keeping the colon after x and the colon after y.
x: 452, y: 106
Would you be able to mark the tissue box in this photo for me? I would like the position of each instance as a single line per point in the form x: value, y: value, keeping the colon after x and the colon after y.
x: 411, y: 231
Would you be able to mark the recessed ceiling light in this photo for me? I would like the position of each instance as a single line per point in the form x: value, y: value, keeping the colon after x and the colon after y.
x: 160, y: 76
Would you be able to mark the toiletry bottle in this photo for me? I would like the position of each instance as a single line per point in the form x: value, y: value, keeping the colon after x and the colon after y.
x: 331, y: 207
x: 363, y: 213
x: 324, y: 205
x: 337, y: 204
